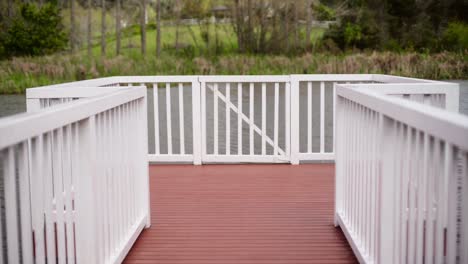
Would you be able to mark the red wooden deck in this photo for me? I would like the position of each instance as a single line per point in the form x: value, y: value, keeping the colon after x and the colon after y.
x: 239, y: 214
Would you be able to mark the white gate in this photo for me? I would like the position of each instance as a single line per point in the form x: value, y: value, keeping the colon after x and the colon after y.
x: 261, y: 105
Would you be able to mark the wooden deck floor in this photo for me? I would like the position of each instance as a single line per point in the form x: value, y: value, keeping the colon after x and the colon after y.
x: 240, y: 214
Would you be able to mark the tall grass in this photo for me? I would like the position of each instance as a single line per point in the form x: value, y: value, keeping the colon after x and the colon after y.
x: 18, y: 74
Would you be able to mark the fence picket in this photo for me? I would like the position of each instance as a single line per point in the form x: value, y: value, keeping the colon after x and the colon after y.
x: 181, y: 119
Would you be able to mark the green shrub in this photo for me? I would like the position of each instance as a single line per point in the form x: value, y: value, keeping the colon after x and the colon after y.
x: 356, y: 31
x: 455, y: 37
x: 35, y: 31
x: 323, y: 12
x: 352, y: 34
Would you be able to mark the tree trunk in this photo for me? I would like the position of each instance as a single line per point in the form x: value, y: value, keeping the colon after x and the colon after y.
x: 103, y: 27
x: 240, y: 39
x: 72, y: 26
x: 309, y: 23
x: 117, y: 27
x: 176, y: 43
x: 287, y: 29
x: 158, y: 28
x: 250, y: 26
x: 296, y: 27
x: 262, y: 38
x: 143, y: 27
x: 178, y: 14
x: 216, y: 37
x: 9, y: 9
x: 89, y: 29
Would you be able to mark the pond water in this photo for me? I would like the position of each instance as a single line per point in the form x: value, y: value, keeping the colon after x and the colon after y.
x: 12, y: 104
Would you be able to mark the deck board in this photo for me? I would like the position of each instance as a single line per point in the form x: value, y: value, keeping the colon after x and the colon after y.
x: 242, y: 214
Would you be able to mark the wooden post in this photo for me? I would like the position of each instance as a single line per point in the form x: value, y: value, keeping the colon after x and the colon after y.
x: 85, y: 220
x: 387, y: 193
x: 294, y: 120
x: 197, y: 124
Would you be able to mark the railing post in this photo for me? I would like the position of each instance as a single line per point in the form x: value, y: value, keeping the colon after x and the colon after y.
x: 451, y: 99
x: 32, y: 104
x: 196, y: 122
x: 294, y: 81
x: 145, y: 163
x: 386, y: 228
x: 338, y: 165
x: 85, y: 216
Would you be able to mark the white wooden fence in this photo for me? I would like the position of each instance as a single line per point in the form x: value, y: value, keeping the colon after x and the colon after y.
x: 231, y: 119
x: 75, y: 180
x: 75, y: 170
x: 401, y: 179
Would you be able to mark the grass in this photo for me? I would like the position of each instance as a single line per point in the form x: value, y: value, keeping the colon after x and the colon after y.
x: 20, y: 73
x: 190, y: 41
x: 195, y: 57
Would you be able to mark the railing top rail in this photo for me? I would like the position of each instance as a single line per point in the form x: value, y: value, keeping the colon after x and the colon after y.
x: 384, y: 78
x: 449, y: 126
x: 415, y: 88
x: 79, y: 91
x: 158, y: 79
x: 332, y: 77
x: 238, y: 78
x: 83, y: 83
x: 17, y: 128
x: 450, y: 90
x: 244, y: 78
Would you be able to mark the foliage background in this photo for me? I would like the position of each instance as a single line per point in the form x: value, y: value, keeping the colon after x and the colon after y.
x: 427, y: 39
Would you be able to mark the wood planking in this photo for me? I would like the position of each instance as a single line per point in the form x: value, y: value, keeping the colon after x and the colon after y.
x: 242, y: 214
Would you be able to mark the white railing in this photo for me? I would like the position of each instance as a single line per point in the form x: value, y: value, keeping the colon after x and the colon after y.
x: 401, y: 179
x: 401, y: 167
x: 313, y: 114
x: 441, y: 95
x: 75, y: 180
x: 285, y: 118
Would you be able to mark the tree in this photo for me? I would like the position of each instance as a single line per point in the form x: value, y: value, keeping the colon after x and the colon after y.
x: 267, y: 26
x: 103, y: 27
x: 309, y: 22
x: 143, y: 26
x: 34, y: 31
x: 158, y: 28
x: 10, y: 8
x: 89, y: 31
x: 178, y: 11
x: 117, y: 27
x: 72, y: 26
x: 296, y: 25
